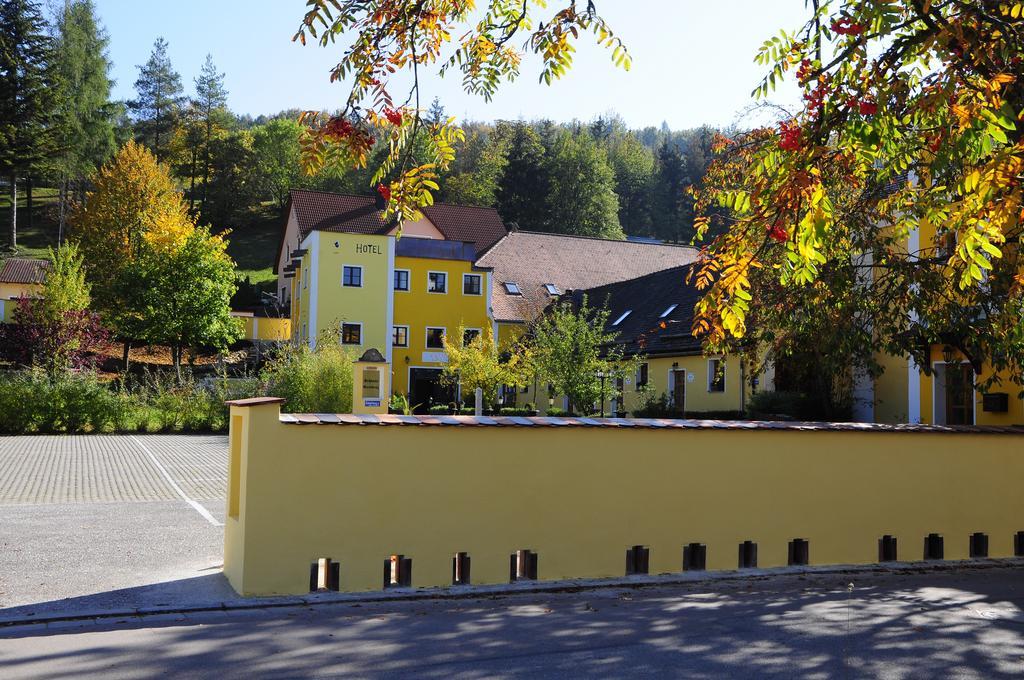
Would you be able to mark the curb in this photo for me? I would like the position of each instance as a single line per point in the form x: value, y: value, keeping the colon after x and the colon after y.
x: 520, y: 588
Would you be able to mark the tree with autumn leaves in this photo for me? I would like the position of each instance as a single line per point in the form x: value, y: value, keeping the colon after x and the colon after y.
x: 911, y: 121
x: 156, y: 276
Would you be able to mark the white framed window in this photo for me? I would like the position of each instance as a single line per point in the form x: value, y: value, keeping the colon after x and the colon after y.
x: 400, y: 336
x: 402, y: 279
x: 435, y: 337
x: 437, y: 282
x: 671, y: 308
x: 641, y: 376
x: 351, y: 333
x: 552, y: 289
x: 469, y: 334
x: 351, y: 276
x: 512, y: 288
x: 622, y: 317
x: 716, y: 375
x: 472, y: 284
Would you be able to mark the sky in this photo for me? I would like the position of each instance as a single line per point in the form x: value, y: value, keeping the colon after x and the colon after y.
x: 693, y: 60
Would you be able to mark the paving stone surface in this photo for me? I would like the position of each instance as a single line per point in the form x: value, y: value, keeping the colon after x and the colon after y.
x: 106, y: 468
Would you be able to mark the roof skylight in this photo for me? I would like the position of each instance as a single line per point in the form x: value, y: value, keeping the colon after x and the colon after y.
x: 552, y: 289
x: 512, y: 288
x: 623, y: 317
x: 668, y: 311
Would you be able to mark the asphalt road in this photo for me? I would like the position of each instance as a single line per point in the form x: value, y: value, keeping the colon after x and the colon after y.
x: 100, y: 522
x: 950, y: 624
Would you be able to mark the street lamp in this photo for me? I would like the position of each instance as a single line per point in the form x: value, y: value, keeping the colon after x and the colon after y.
x: 603, y: 376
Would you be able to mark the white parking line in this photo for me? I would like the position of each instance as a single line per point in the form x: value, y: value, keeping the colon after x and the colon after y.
x: 195, y: 506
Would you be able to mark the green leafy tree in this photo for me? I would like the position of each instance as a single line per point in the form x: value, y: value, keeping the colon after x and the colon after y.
x: 276, y: 155
x: 582, y: 200
x: 85, y: 128
x: 524, y: 184
x: 158, y: 102
x: 633, y: 165
x: 571, y: 350
x: 186, y: 295
x: 211, y: 102
x: 480, y: 363
x: 26, y: 97
x: 477, y: 170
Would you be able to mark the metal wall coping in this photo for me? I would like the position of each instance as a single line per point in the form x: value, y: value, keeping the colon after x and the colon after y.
x: 643, y: 423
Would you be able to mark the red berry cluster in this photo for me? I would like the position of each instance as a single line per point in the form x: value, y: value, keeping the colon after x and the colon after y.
x: 847, y: 26
x: 385, y: 191
x: 778, y: 233
x: 393, y: 116
x: 867, y: 107
x: 816, y: 99
x: 338, y: 128
x: 789, y: 136
x: 804, y: 72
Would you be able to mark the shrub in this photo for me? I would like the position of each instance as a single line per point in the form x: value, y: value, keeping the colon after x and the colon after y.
x: 32, y: 401
x: 556, y: 412
x: 511, y: 411
x: 439, y: 410
x: 656, y: 407
x: 399, y: 404
x: 311, y: 381
x: 779, y: 406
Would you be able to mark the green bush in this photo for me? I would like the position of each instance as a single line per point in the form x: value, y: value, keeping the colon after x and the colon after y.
x: 311, y: 381
x: 556, y: 412
x: 656, y: 407
x: 511, y: 411
x: 399, y: 404
x: 32, y: 401
x: 780, y: 406
x: 440, y: 410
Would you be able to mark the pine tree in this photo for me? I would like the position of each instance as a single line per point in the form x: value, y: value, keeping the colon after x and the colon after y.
x: 159, y: 101
x: 436, y: 114
x: 669, y: 194
x: 86, y: 114
x: 26, y: 97
x: 211, y: 102
x: 524, y: 186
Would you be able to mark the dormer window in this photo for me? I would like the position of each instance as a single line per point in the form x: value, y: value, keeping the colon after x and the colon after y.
x: 512, y: 288
x: 623, y: 317
x: 552, y: 289
x: 671, y: 308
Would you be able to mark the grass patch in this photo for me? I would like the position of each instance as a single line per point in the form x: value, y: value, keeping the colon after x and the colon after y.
x: 34, y: 240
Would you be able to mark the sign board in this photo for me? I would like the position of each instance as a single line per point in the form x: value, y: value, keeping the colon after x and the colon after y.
x: 689, y: 377
x: 374, y: 403
x: 371, y: 384
x: 435, y: 357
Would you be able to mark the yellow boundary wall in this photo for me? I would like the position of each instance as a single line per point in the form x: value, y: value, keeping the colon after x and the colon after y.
x: 580, y: 496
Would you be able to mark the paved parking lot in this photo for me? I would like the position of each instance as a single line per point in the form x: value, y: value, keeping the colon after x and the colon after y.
x: 91, y: 522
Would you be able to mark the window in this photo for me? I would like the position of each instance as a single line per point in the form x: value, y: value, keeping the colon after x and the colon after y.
x: 468, y: 335
x: 641, y: 376
x: 471, y: 284
x: 716, y: 375
x: 351, y: 333
x: 401, y: 279
x: 623, y: 317
x: 437, y: 282
x: 552, y: 289
x: 435, y: 338
x: 668, y: 311
x: 352, y: 277
x: 512, y: 288
x: 400, y: 336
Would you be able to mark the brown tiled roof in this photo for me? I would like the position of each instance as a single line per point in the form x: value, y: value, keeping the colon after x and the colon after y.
x: 21, y: 270
x: 621, y: 423
x: 318, y: 210
x: 532, y: 259
x: 646, y: 298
